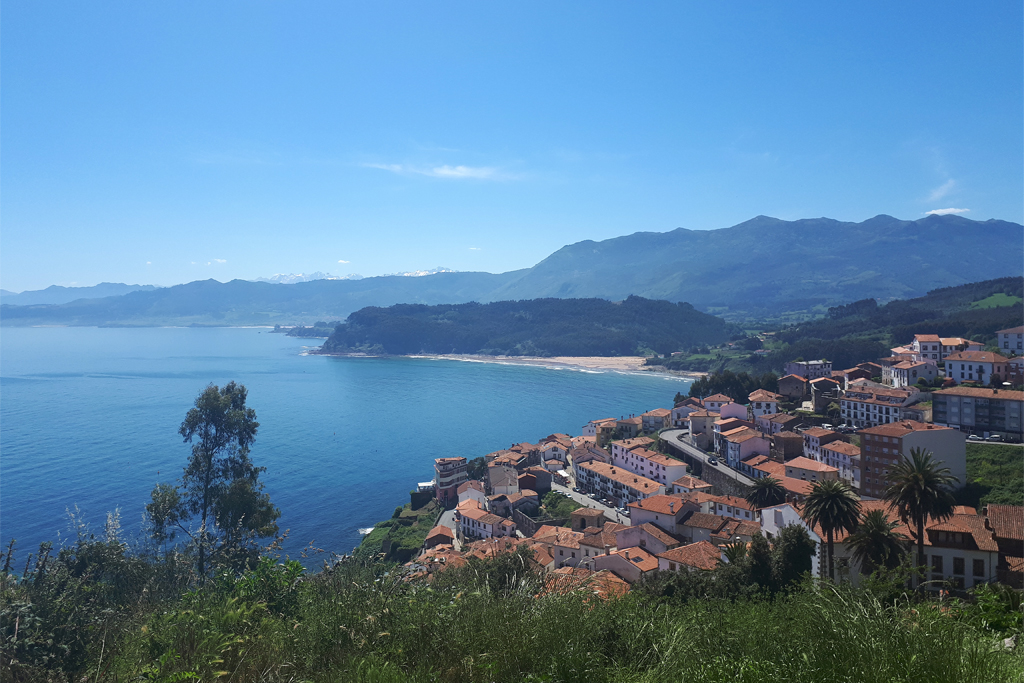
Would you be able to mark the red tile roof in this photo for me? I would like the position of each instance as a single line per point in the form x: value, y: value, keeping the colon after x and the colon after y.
x: 661, y: 503
x: 625, y: 477
x: 689, y: 482
x: 718, y: 398
x: 763, y: 395
x: 979, y: 392
x: 977, y: 357
x: 703, y: 520
x: 902, y: 428
x: 818, y: 432
x: 639, y: 557
x: 811, y: 465
x: 699, y: 555
x: 1007, y: 521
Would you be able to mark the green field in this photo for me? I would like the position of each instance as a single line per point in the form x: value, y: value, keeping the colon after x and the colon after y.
x: 996, y: 301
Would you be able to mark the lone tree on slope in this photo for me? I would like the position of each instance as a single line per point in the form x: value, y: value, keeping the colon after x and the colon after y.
x: 220, y: 488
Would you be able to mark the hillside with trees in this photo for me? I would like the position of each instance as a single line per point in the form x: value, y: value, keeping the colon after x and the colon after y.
x: 865, y: 330
x: 541, y: 327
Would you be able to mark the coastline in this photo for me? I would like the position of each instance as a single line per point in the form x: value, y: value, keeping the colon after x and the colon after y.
x: 628, y: 364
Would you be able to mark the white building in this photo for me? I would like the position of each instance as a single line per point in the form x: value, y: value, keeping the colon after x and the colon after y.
x: 633, y: 455
x: 809, y: 369
x: 867, y: 406
x: 763, y: 403
x: 908, y: 373
x: 975, y: 366
x: 1011, y: 340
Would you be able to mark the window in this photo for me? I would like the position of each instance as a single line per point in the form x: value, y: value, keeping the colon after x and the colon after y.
x: 937, y: 563
x: 979, y: 567
x: 958, y: 566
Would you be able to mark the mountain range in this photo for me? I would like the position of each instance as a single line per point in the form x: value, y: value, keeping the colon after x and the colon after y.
x: 764, y: 267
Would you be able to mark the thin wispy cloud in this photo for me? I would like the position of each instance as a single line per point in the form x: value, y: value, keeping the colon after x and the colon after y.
x: 474, y: 248
x: 220, y: 260
x: 944, y: 212
x: 942, y: 190
x: 446, y: 171
x: 343, y: 261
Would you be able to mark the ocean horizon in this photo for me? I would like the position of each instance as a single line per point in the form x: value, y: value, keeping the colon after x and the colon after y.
x: 89, y: 420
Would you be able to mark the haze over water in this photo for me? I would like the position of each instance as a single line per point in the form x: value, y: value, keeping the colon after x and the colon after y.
x: 89, y: 417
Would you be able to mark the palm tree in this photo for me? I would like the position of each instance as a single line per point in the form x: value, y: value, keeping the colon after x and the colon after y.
x: 766, y: 492
x: 919, y: 488
x: 876, y: 543
x: 833, y: 506
x: 734, y: 552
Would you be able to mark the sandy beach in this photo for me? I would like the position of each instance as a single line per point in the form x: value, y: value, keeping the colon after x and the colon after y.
x: 591, y: 363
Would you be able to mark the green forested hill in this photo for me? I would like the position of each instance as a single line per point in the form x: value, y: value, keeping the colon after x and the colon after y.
x: 542, y: 327
x: 865, y: 330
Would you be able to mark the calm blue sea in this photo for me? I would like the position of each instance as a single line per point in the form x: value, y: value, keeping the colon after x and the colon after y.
x: 89, y: 417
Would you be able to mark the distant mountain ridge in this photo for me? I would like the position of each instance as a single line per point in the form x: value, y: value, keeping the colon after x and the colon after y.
x: 764, y: 266
x: 55, y: 294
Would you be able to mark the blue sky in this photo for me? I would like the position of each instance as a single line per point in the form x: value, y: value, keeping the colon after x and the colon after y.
x: 163, y: 142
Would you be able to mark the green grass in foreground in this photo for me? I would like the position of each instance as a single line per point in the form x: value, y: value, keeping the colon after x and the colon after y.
x: 995, y: 474
x: 96, y: 613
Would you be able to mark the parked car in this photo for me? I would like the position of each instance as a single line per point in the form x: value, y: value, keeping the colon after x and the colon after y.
x: 994, y: 437
x: 713, y: 461
x: 974, y: 437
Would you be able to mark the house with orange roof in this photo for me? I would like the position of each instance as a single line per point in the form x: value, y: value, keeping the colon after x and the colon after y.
x: 688, y: 483
x: 807, y: 469
x: 715, y: 402
x: 702, y: 427
x: 475, y: 522
x: 773, y: 423
x: 439, y: 535
x: 742, y: 443
x: 701, y: 555
x: 863, y: 405
x: 730, y: 506
x: 1007, y: 524
x: 650, y: 537
x: 600, y: 540
x: 601, y: 430
x: 472, y: 490
x: 656, y: 419
x: 502, y: 478
x: 563, y: 543
x: 602, y: 584
x: 762, y: 402
x: 845, y: 457
x: 796, y: 489
x: 665, y: 512
x: 908, y: 373
x: 615, y: 483
x: 629, y: 564
x: 982, y: 367
x: 794, y: 387
x: 683, y: 410
x: 633, y: 455
x: 928, y: 345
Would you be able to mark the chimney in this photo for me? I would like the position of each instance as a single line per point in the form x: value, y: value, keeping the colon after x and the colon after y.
x: 672, y: 507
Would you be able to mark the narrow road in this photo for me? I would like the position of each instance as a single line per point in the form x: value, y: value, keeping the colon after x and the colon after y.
x: 671, y: 437
x: 586, y: 501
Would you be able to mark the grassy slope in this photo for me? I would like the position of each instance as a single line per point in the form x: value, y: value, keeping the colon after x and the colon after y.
x: 995, y: 474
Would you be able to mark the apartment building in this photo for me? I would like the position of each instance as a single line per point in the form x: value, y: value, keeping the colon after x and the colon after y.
x: 982, y: 411
x: 449, y: 474
x: 883, y: 446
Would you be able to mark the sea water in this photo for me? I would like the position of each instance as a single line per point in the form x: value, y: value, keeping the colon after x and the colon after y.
x: 89, y: 417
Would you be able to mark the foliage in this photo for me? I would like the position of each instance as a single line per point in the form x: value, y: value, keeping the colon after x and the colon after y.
x: 557, y: 506
x: 993, y: 475
x: 539, y: 327
x: 766, y: 492
x: 833, y: 506
x: 736, y: 386
x: 477, y: 468
x: 919, y: 488
x: 220, y: 488
x: 403, y: 534
x: 876, y: 543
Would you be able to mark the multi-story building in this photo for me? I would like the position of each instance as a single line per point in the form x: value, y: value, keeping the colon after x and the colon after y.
x: 883, y: 446
x: 976, y: 366
x: 615, y: 483
x: 1011, y: 340
x: 845, y: 457
x: 763, y: 403
x: 777, y: 422
x: 866, y: 406
x: 806, y: 469
x: 449, y: 474
x: 739, y: 444
x: 716, y: 401
x: 683, y: 410
x: 908, y: 373
x: 656, y: 419
x: 809, y: 369
x: 815, y: 438
x: 633, y: 455
x: 475, y: 522
x: 935, y: 348
x: 982, y: 411
x: 794, y: 387
x: 601, y: 430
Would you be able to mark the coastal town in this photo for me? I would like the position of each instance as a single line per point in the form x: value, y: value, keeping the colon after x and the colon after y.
x: 673, y: 488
